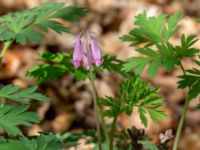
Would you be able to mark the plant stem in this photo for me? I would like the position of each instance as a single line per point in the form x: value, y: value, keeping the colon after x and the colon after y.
x: 6, y: 45
x: 104, y: 129
x: 96, y: 109
x: 181, y: 121
x: 94, y: 92
x: 103, y: 122
x: 112, y: 133
x: 100, y: 115
x: 182, y: 68
x: 180, y: 125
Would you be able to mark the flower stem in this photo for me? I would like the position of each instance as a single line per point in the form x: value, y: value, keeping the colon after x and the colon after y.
x: 5, y: 47
x: 180, y: 125
x: 94, y: 93
x: 100, y: 115
x: 96, y: 109
x: 103, y: 122
x: 181, y: 121
x: 104, y: 129
x: 112, y: 133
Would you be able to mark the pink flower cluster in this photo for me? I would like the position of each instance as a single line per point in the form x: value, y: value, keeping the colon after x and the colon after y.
x: 86, y: 50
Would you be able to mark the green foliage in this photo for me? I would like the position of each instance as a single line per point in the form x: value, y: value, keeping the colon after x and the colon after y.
x: 41, y: 142
x: 47, y: 71
x: 46, y: 141
x: 154, y: 33
x: 113, y: 106
x: 166, y: 56
x: 71, y: 139
x: 135, y: 93
x: 13, y: 93
x: 112, y: 64
x: 58, y: 64
x: 192, y: 81
x: 186, y: 49
x: 30, y: 25
x: 54, y: 67
x: 11, y: 116
x: 152, y: 30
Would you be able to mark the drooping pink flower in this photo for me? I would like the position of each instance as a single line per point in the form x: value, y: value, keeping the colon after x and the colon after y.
x: 78, y: 52
x: 86, y: 50
x: 95, y: 52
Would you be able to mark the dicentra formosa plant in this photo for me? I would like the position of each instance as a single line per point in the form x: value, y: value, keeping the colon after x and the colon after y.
x: 155, y: 33
x: 134, y: 92
x: 87, y: 52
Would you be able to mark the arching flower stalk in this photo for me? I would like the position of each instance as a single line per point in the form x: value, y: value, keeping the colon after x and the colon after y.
x: 86, y: 53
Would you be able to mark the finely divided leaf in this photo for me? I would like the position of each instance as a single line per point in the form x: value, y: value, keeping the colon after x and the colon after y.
x: 191, y: 80
x: 11, y: 116
x: 41, y: 142
x: 166, y: 56
x: 135, y: 93
x: 13, y: 93
x: 154, y: 34
x: 30, y: 25
x: 47, y: 71
x: 113, y: 106
x: 152, y: 30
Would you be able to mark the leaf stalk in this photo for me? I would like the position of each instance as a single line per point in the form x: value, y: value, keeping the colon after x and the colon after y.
x: 181, y: 121
x: 6, y: 45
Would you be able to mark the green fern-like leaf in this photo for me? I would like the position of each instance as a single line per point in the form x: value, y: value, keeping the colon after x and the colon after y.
x: 135, y: 93
x: 154, y: 33
x: 113, y: 106
x: 192, y: 81
x: 45, y: 141
x: 42, y: 142
x: 11, y: 116
x: 30, y: 25
x: 13, y: 93
x: 167, y: 56
x: 152, y: 30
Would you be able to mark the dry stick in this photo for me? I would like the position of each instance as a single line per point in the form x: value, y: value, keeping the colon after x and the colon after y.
x: 181, y: 121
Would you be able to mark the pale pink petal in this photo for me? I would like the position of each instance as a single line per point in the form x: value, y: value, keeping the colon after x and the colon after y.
x: 95, y: 52
x: 78, y: 52
x: 85, y: 62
